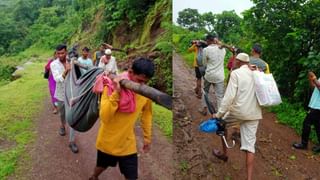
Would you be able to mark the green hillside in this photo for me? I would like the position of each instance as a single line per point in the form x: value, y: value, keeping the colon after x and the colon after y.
x: 30, y: 31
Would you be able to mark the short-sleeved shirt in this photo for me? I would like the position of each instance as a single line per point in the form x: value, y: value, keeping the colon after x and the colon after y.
x: 315, y: 99
x: 57, y: 70
x: 261, y: 64
x: 213, y: 58
x: 87, y: 62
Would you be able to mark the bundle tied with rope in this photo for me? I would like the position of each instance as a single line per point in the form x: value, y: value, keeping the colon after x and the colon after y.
x: 82, y: 104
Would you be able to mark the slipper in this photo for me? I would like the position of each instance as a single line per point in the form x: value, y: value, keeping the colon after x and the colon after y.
x: 55, y: 111
x: 220, y: 155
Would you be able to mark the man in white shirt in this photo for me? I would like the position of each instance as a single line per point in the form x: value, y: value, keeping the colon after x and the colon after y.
x: 240, y: 105
x: 213, y: 59
x: 108, y: 62
x: 60, y: 68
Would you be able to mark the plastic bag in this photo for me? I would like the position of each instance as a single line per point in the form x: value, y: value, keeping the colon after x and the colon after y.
x: 266, y: 89
x: 209, y: 126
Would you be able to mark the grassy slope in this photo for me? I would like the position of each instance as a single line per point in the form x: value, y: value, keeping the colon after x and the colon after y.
x: 20, y: 102
x: 163, y: 118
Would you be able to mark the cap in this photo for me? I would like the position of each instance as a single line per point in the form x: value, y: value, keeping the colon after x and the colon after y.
x: 107, y: 52
x: 243, y: 57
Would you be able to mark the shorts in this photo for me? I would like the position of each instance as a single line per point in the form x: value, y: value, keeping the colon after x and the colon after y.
x: 198, y: 73
x: 248, y: 130
x: 128, y: 164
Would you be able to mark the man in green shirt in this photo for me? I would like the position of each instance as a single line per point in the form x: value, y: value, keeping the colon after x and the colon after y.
x: 256, y: 60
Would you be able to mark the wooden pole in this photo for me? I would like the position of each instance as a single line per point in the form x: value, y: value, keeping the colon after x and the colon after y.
x: 155, y: 95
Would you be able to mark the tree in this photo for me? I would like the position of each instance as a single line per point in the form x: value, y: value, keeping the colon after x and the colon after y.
x: 289, y: 31
x: 227, y: 25
x: 190, y: 19
x: 209, y: 21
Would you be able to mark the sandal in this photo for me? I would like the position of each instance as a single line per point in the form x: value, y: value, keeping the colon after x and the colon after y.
x: 220, y: 155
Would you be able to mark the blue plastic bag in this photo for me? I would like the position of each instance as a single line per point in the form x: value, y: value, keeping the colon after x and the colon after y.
x: 209, y: 126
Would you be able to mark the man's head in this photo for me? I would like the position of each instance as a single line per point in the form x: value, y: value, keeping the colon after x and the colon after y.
x: 61, y: 51
x: 102, y: 47
x: 256, y: 50
x: 211, y: 39
x: 108, y: 53
x: 241, y: 59
x: 141, y: 71
x: 85, y: 52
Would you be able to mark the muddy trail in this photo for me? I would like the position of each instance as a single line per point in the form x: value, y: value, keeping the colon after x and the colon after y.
x: 274, y: 158
x: 51, y: 157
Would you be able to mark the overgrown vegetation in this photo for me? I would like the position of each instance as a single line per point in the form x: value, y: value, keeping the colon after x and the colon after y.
x: 31, y: 29
x: 289, y: 34
x: 137, y: 24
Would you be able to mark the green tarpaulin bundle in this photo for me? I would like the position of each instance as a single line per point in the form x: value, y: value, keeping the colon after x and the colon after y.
x: 81, y: 104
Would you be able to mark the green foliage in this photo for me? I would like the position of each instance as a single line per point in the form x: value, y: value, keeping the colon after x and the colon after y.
x: 20, y: 100
x: 163, y: 118
x: 190, y: 19
x: 292, y: 115
x: 288, y: 33
x: 228, y: 27
x: 182, y: 38
x: 209, y: 21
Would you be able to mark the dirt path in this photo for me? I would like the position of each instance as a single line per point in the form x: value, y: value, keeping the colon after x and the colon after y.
x: 193, y: 149
x: 52, y: 159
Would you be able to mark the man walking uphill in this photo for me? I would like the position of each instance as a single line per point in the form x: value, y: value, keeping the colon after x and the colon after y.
x: 240, y: 104
x: 312, y: 117
x: 213, y: 59
x: 60, y: 68
x: 116, y: 141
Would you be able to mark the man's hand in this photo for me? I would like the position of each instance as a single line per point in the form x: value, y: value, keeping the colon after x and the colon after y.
x: 146, y: 147
x: 214, y: 116
x: 116, y: 82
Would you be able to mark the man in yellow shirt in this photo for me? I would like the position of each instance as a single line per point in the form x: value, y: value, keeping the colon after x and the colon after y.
x: 194, y: 48
x: 116, y: 141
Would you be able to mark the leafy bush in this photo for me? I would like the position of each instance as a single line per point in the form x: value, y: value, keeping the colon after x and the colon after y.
x: 292, y: 115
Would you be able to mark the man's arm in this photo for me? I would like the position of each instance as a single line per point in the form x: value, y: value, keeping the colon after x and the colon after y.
x: 146, y: 124
x: 192, y: 48
x: 109, y: 104
x: 204, y: 57
x: 229, y: 96
x: 57, y: 76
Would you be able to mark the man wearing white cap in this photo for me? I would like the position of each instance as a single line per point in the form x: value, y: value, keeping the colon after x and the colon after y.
x: 108, y: 62
x: 240, y: 105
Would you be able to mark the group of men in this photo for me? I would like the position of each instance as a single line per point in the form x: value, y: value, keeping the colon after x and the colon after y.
x: 116, y: 143
x: 238, y: 105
